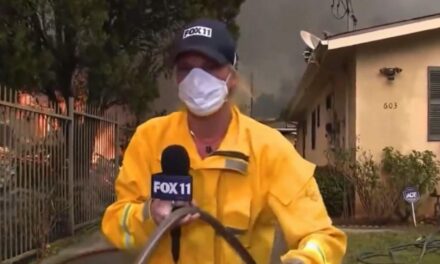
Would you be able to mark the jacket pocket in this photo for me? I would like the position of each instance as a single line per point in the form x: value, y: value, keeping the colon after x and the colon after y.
x: 236, y: 200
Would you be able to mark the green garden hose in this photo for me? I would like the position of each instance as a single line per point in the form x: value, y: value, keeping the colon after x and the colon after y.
x: 428, y: 245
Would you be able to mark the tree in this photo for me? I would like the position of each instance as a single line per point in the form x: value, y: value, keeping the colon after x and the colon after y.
x: 118, y: 46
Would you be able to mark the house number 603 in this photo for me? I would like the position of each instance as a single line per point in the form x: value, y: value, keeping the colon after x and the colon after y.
x: 390, y: 105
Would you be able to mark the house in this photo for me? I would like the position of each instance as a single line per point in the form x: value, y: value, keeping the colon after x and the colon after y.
x: 29, y: 126
x: 371, y: 88
x: 287, y: 129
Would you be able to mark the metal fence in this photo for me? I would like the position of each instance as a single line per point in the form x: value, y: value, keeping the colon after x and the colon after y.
x: 58, y: 163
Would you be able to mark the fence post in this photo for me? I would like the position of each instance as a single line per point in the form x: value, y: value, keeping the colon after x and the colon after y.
x: 117, y: 143
x: 70, y: 147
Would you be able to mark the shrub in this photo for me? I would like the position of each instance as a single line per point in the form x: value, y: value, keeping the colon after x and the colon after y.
x: 333, y: 188
x: 379, y: 185
x: 360, y: 169
x: 417, y: 169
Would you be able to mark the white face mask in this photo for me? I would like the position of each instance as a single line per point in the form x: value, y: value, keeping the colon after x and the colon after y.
x: 202, y: 92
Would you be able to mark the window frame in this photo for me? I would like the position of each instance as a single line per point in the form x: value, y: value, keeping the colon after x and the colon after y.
x: 431, y: 137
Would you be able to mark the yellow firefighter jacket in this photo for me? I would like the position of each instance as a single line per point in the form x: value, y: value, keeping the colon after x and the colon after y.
x: 268, y: 182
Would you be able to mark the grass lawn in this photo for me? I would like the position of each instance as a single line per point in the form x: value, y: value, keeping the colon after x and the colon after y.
x: 381, y: 241
x: 359, y: 241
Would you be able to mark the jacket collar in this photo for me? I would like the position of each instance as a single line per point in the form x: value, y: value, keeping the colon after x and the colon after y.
x: 233, y: 153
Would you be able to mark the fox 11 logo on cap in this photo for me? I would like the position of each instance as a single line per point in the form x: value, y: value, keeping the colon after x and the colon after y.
x: 197, y: 31
x: 171, y: 188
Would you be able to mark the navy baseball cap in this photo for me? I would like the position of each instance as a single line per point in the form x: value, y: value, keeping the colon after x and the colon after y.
x: 208, y: 37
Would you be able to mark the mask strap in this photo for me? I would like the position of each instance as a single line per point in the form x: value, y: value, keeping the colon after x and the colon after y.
x: 227, y: 78
x: 235, y: 64
x: 227, y: 88
x: 234, y: 67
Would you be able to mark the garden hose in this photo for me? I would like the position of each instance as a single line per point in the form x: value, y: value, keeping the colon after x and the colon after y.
x: 179, y: 214
x: 427, y: 245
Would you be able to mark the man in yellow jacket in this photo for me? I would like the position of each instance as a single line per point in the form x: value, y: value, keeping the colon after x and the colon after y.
x: 245, y: 174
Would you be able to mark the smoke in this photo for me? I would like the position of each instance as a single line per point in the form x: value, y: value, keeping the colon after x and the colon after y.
x: 271, y: 48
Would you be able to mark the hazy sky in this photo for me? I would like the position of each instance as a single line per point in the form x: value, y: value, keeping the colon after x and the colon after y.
x: 271, y: 48
x: 270, y: 45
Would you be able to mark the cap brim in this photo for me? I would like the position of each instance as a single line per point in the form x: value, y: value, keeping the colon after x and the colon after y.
x: 210, y: 53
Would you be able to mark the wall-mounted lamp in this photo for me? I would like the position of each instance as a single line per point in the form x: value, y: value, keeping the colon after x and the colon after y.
x: 390, y: 73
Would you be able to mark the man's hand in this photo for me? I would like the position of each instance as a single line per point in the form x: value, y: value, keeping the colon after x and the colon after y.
x: 160, y: 210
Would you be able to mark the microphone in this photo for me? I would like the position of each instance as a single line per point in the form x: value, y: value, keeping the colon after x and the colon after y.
x: 173, y: 184
x: 177, y: 184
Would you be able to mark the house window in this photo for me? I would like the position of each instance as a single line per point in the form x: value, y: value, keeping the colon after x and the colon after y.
x: 318, y: 112
x: 328, y: 102
x: 433, y: 103
x: 313, y: 137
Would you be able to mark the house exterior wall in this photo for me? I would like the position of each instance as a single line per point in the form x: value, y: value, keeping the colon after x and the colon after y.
x: 300, y: 138
x: 360, y: 93
x: 370, y: 111
x: 395, y: 113
x: 404, y: 124
x: 317, y: 154
x: 304, y: 139
x: 337, y: 83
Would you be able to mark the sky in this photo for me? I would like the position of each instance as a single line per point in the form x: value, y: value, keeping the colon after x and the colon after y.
x: 270, y: 46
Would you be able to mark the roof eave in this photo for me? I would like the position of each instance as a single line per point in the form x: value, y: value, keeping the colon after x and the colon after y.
x: 294, y: 107
x: 383, y: 33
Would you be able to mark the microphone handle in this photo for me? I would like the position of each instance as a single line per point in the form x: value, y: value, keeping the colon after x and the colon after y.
x: 175, y: 239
